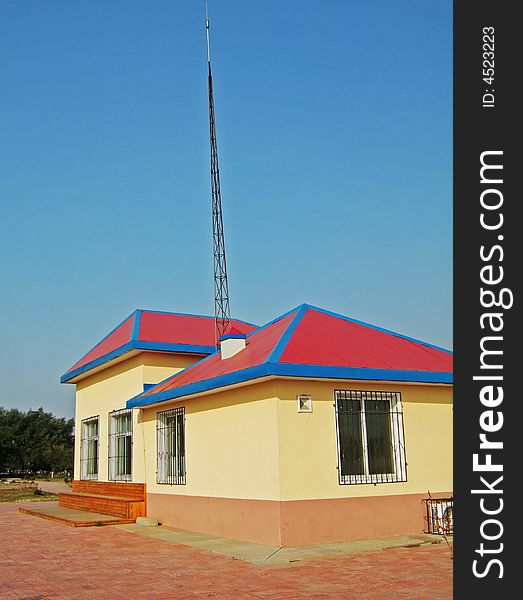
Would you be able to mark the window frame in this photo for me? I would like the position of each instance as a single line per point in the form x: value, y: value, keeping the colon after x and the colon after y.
x: 397, y: 434
x: 165, y: 458
x: 114, y: 436
x: 85, y: 459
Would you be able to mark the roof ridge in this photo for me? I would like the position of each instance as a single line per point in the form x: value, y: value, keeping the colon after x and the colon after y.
x: 278, y: 349
x: 135, y: 331
x: 275, y: 320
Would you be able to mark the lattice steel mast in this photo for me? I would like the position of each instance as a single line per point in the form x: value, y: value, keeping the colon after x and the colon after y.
x: 222, y: 313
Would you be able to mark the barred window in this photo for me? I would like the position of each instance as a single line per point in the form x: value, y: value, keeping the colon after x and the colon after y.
x: 89, y: 449
x: 120, y: 445
x: 171, y: 446
x: 371, y: 441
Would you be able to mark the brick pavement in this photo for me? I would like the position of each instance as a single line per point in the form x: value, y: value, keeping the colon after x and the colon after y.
x: 41, y: 559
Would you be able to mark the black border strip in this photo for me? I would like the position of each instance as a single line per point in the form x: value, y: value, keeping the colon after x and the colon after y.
x: 486, y: 123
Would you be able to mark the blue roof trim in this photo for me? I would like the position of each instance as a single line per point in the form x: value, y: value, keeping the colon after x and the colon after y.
x: 199, y: 362
x: 201, y: 386
x: 112, y: 331
x: 135, y: 333
x: 327, y: 372
x: 287, y: 334
x: 291, y: 370
x: 68, y: 376
x: 233, y: 336
x: 97, y: 362
x: 185, y: 348
x: 137, y: 345
x: 104, y: 338
x: 299, y: 370
x: 389, y: 331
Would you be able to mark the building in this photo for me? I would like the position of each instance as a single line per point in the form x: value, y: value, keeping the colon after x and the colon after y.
x: 313, y: 428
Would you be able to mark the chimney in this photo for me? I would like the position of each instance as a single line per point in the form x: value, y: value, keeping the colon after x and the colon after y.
x: 231, y: 344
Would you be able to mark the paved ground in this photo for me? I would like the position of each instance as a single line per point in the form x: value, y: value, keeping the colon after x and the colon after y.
x: 55, y: 487
x: 41, y: 559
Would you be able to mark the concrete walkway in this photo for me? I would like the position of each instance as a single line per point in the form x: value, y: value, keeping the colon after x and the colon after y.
x: 259, y: 554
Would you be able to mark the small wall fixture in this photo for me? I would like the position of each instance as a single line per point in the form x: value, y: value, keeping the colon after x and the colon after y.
x: 304, y: 404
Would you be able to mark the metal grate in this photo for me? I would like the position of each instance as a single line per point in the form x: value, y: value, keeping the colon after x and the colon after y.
x: 371, y: 439
x: 439, y: 515
x: 120, y: 445
x: 89, y: 449
x: 171, y: 446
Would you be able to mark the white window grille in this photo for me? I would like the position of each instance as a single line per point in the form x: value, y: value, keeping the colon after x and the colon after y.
x: 371, y: 440
x: 171, y: 446
x: 120, y: 445
x: 89, y: 449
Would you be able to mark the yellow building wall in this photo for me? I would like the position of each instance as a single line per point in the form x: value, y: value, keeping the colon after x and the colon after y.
x: 308, y: 445
x: 251, y: 442
x: 108, y: 390
x: 231, y: 444
x: 257, y: 469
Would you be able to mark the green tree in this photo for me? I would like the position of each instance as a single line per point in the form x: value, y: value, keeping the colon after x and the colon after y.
x: 35, y: 441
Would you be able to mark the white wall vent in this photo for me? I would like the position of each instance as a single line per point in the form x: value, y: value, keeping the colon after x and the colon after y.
x: 304, y: 404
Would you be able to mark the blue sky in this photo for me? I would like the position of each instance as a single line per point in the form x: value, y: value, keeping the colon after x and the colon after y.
x: 334, y: 131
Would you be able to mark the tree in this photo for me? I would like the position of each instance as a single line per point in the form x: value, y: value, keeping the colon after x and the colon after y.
x: 35, y: 441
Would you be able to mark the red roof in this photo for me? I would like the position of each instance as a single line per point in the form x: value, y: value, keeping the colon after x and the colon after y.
x: 183, y: 329
x: 312, y: 342
x: 260, y: 344
x: 326, y: 339
x: 152, y: 330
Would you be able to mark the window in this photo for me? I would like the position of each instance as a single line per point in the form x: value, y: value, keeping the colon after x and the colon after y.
x: 120, y: 445
x: 89, y: 449
x: 371, y: 446
x: 171, y: 446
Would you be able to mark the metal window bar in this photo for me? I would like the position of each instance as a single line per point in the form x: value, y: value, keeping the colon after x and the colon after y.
x: 170, y: 427
x: 439, y: 515
x: 89, y: 449
x: 371, y: 438
x: 120, y: 445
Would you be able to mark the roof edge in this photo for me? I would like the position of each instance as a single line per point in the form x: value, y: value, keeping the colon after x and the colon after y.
x: 200, y: 386
x: 136, y: 345
x: 293, y: 370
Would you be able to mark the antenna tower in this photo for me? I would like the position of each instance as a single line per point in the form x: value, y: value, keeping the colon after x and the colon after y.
x: 222, y: 313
